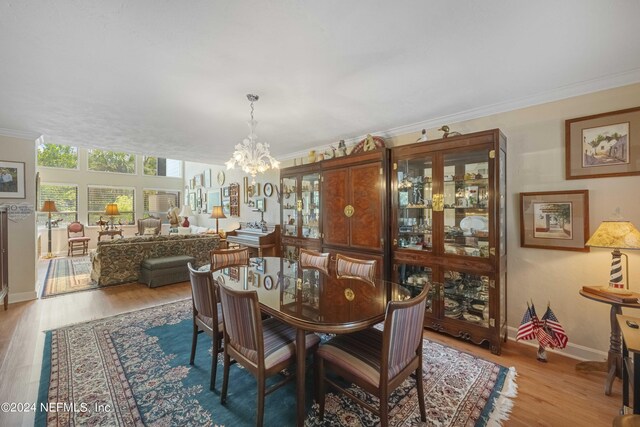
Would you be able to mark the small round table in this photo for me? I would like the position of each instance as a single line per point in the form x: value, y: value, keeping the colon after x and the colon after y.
x: 613, y: 365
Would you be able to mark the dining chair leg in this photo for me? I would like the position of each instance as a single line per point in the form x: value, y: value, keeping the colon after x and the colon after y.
x: 420, y: 386
x: 214, y: 362
x: 261, y: 388
x: 321, y: 387
x: 384, y: 408
x: 225, y: 378
x: 194, y: 343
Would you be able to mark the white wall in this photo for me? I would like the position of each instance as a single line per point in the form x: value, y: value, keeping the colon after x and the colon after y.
x: 22, y: 233
x: 272, y: 213
x: 536, y: 162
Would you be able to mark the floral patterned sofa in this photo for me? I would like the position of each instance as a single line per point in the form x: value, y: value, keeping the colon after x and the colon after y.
x: 118, y: 261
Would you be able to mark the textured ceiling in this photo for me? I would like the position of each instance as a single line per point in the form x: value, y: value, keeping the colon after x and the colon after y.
x: 170, y: 77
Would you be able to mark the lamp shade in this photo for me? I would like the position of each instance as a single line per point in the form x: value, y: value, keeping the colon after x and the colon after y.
x: 217, y: 212
x: 111, y: 209
x: 186, y: 211
x: 49, y: 206
x: 615, y: 234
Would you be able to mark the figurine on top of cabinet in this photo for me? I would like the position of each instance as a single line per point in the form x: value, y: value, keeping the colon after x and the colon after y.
x: 448, y: 133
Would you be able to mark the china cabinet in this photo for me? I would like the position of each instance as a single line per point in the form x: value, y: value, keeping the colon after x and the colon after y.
x: 449, y: 228
x: 300, y: 209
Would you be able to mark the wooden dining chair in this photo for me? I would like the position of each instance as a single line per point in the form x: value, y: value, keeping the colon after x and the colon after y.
x: 207, y: 316
x: 262, y: 347
x: 313, y: 259
x: 353, y: 268
x: 376, y: 361
x: 223, y: 258
x: 76, y: 240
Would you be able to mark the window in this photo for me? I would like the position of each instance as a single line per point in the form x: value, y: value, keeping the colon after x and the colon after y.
x: 157, y: 166
x: 99, y: 197
x: 66, y: 199
x: 57, y: 156
x: 158, y: 202
x: 111, y: 161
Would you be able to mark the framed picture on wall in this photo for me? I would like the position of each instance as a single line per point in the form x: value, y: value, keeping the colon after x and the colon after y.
x: 213, y: 199
x: 12, y: 180
x: 192, y: 201
x: 555, y: 220
x: 207, y: 178
x: 603, y: 145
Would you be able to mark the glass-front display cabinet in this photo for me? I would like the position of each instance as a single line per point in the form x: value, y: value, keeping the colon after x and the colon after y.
x: 300, y: 209
x: 449, y: 230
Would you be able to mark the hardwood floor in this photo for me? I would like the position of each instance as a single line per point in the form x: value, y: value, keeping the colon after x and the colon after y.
x: 549, y: 394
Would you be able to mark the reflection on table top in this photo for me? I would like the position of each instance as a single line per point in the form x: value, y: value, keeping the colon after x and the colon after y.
x: 310, y: 299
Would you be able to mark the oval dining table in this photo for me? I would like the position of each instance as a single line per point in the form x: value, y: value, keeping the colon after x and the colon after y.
x: 311, y: 301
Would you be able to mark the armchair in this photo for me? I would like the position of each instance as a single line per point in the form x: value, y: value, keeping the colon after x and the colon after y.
x: 149, y: 226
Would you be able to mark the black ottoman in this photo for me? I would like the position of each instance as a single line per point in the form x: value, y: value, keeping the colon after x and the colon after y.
x: 163, y: 271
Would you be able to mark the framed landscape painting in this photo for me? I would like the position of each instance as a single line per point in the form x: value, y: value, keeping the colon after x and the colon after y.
x: 603, y: 145
x: 11, y: 180
x: 555, y: 220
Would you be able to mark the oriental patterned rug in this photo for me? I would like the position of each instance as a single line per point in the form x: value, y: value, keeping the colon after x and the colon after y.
x: 133, y: 369
x: 67, y: 275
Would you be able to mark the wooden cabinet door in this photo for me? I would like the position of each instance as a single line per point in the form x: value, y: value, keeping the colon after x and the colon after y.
x: 365, y: 191
x: 335, y: 196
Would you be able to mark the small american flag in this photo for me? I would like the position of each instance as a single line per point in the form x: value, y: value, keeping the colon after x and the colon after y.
x: 553, y: 323
x: 546, y: 337
x: 527, y: 329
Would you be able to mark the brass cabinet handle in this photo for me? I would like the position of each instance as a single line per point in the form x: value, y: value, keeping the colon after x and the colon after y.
x: 438, y: 202
x: 299, y: 205
x: 349, y: 211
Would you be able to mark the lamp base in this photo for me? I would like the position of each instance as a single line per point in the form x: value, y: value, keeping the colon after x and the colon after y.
x: 49, y: 256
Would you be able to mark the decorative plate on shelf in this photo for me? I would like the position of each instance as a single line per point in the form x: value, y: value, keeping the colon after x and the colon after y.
x: 476, y: 222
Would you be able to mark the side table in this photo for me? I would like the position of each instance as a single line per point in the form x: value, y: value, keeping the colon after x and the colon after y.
x: 111, y: 233
x: 613, y: 365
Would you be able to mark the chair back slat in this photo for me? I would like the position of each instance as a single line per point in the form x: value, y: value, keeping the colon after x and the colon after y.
x: 403, y: 326
x: 203, y: 292
x: 313, y: 259
x: 353, y: 268
x: 222, y: 258
x: 243, y: 324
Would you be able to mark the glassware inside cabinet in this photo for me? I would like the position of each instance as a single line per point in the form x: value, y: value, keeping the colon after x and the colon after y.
x: 415, y: 204
x: 466, y: 297
x: 466, y: 203
x: 289, y: 207
x: 311, y: 206
x: 414, y: 278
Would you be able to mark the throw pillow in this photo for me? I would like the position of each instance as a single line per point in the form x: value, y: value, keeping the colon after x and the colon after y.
x: 149, y: 231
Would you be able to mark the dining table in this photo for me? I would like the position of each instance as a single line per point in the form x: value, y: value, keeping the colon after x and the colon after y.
x: 311, y: 300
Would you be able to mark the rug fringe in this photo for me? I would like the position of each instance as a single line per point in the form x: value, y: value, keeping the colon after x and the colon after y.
x: 503, y: 404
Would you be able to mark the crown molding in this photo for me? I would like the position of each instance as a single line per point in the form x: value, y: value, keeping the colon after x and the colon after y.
x: 564, y: 92
x: 20, y: 134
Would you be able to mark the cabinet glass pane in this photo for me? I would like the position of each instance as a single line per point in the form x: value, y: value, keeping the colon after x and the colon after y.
x: 289, y: 208
x: 466, y: 203
x: 466, y: 297
x: 413, y: 278
x: 502, y: 209
x: 311, y: 206
x: 415, y: 180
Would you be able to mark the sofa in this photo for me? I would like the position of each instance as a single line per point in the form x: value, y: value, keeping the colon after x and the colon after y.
x: 118, y: 261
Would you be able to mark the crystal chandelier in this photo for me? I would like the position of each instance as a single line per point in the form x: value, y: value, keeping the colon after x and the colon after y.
x: 252, y: 156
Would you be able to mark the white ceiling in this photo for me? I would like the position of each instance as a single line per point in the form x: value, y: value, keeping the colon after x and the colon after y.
x: 170, y: 77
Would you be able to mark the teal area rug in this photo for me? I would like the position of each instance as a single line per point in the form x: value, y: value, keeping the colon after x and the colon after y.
x: 67, y: 275
x: 133, y: 369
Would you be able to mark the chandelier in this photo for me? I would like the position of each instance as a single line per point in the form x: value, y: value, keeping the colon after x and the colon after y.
x: 251, y: 156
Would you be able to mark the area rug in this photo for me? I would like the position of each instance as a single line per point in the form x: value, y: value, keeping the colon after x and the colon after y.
x: 133, y: 369
x: 66, y: 275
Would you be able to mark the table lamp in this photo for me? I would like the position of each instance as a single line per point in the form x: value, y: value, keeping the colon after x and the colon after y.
x: 217, y: 213
x: 112, y: 210
x: 186, y: 212
x: 49, y: 206
x: 616, y: 234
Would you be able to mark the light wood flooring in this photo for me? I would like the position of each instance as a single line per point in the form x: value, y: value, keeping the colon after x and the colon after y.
x: 551, y: 394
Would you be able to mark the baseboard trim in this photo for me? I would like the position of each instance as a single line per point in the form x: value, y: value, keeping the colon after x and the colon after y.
x: 574, y: 351
x: 22, y: 296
